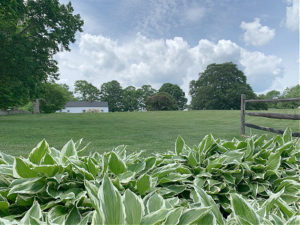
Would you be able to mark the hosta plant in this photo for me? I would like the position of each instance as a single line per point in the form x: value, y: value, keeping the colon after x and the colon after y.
x: 252, y: 181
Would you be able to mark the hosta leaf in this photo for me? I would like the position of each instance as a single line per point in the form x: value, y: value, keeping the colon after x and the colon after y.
x: 174, y: 216
x: 295, y: 220
x: 155, y: 217
x: 191, y: 216
x: 250, y: 148
x: 4, y: 208
x: 111, y: 204
x: 83, y: 172
x: 192, y: 159
x: 179, y: 144
x: 143, y: 184
x: 287, y: 135
x: 68, y: 150
x: 48, y: 160
x: 116, y: 165
x: 24, y: 200
x: 150, y: 163
x: 96, y: 219
x: 273, y: 162
x: 155, y: 203
x: 285, y: 208
x: 9, y: 159
x: 268, y: 204
x: 27, y: 186
x: 244, y: 213
x: 86, y: 220
x: 57, y: 214
x: 92, y: 191
x: 23, y: 169
x: 277, y: 220
x: 173, y: 177
x: 47, y: 170
x: 126, y: 177
x: 137, y: 167
x: 73, y: 217
x: 133, y: 207
x: 207, y: 201
x: 33, y: 212
x: 36, y: 155
x: 209, y: 218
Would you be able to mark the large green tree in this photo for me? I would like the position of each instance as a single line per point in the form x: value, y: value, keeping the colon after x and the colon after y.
x: 220, y: 87
x: 112, y: 93
x: 31, y: 33
x: 86, y: 91
x: 176, y: 92
x: 54, y: 97
x: 143, y: 94
x: 130, y: 99
x: 161, y: 101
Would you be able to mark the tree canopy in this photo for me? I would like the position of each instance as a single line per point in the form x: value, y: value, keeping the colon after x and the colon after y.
x: 31, y: 33
x: 161, y: 101
x: 176, y: 92
x: 271, y: 95
x: 54, y: 97
x: 144, y: 93
x: 292, y: 92
x: 130, y: 99
x: 86, y: 91
x: 112, y: 93
x: 220, y: 87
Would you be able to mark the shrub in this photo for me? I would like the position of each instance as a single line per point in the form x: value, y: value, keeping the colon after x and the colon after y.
x: 162, y: 101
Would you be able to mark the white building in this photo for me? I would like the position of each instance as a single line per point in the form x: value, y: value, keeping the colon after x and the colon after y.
x: 82, y: 107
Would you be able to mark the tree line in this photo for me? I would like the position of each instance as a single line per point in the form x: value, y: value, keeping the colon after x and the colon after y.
x: 219, y: 87
x: 169, y: 96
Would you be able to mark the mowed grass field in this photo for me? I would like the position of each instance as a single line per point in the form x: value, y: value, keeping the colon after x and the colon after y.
x: 148, y: 131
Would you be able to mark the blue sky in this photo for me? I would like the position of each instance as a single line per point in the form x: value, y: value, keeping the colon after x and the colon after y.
x: 155, y: 41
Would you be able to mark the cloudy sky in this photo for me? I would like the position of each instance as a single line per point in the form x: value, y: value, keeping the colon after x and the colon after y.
x: 155, y: 41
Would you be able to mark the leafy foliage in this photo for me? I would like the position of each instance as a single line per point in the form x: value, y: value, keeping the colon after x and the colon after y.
x: 54, y: 97
x: 130, y: 99
x: 176, y: 92
x: 86, y: 90
x: 162, y: 101
x: 293, y: 92
x: 31, y: 33
x: 112, y: 93
x: 254, y: 181
x: 220, y: 87
x: 144, y: 93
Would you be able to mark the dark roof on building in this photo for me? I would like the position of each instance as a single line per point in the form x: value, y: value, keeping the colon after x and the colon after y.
x: 86, y: 104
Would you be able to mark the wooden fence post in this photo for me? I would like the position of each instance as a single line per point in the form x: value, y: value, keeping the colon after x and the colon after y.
x: 243, y: 107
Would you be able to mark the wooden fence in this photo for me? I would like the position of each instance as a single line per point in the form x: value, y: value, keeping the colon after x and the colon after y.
x: 267, y: 115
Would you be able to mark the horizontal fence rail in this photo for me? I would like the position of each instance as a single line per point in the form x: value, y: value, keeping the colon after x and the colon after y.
x: 269, y: 129
x: 267, y: 115
x: 273, y: 100
x: 275, y: 115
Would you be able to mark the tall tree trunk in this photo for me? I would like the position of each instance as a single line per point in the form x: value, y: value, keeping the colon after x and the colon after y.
x: 36, y: 106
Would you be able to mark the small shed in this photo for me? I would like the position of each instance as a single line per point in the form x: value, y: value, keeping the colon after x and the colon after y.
x: 85, y: 106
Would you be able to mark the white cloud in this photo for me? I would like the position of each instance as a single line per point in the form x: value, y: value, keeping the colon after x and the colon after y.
x: 256, y: 34
x: 261, y: 69
x: 99, y: 59
x: 292, y: 14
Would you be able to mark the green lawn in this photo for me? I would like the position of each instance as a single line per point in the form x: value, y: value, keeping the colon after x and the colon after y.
x: 149, y: 131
